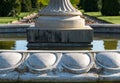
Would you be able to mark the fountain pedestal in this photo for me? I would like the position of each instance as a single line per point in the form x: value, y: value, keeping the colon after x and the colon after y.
x: 59, y: 25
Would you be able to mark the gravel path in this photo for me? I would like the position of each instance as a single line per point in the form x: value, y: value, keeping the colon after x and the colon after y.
x: 30, y: 19
x: 94, y: 20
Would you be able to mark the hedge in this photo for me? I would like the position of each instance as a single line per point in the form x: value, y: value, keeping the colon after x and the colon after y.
x: 10, y: 7
x: 110, y: 7
x: 34, y: 3
x: 90, y: 5
x: 26, y: 5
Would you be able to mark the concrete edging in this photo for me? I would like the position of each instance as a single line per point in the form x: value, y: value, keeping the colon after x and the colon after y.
x: 13, y: 28
x: 22, y: 74
x: 98, y: 28
x: 106, y: 28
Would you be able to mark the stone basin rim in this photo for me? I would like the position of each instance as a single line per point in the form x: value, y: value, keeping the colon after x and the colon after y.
x: 81, y: 70
x: 44, y: 69
x: 105, y: 67
x: 2, y: 70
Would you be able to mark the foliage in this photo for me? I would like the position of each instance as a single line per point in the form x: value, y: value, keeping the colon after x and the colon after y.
x: 111, y: 9
x: 10, y: 7
x: 90, y: 5
x: 43, y: 3
x: 80, y: 4
x: 26, y: 5
x: 34, y: 3
x: 75, y: 2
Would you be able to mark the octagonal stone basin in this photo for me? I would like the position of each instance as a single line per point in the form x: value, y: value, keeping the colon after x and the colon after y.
x: 9, y: 61
x: 77, y: 62
x: 41, y: 62
x: 110, y: 61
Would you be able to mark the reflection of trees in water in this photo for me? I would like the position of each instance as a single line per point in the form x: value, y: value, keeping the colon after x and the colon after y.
x: 7, y: 44
x: 110, y: 44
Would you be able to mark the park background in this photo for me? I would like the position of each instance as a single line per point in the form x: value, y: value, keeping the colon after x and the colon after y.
x: 107, y: 10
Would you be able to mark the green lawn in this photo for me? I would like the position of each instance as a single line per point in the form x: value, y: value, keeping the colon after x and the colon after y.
x: 5, y: 20
x: 23, y: 14
x: 112, y: 19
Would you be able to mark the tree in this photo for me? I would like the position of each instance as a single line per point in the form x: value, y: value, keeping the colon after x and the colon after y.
x: 10, y: 7
x: 111, y: 9
x: 34, y: 3
x: 43, y: 3
x: 80, y: 4
x: 26, y: 5
x: 75, y: 2
x: 90, y: 5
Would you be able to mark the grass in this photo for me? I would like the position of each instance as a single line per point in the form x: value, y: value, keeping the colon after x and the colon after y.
x: 23, y: 14
x: 5, y: 20
x: 111, y: 19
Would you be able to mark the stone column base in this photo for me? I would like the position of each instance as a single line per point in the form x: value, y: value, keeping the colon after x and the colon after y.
x: 65, y: 37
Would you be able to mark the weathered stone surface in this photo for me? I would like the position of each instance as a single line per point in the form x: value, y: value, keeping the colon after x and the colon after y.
x: 61, y: 77
x: 110, y: 77
x: 76, y: 60
x: 60, y: 22
x: 83, y: 36
x: 106, y: 28
x: 9, y: 59
x: 41, y: 60
x: 59, y: 7
x: 60, y: 35
x: 9, y: 77
x: 108, y: 59
x: 60, y: 14
x: 13, y: 28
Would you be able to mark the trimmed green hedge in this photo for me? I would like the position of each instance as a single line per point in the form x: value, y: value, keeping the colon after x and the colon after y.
x: 34, y: 3
x: 10, y: 7
x: 26, y: 5
x: 90, y: 5
x: 110, y: 7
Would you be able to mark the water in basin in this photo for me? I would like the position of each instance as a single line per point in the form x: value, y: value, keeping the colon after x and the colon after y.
x: 17, y: 41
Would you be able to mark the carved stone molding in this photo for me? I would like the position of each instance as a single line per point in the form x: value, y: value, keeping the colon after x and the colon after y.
x: 60, y: 7
x: 60, y: 14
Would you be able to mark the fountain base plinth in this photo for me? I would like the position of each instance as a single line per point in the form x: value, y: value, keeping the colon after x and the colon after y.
x: 59, y: 37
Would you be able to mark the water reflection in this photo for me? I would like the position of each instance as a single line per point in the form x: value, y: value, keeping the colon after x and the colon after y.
x: 7, y: 44
x: 106, y: 41
x: 17, y: 41
x: 110, y: 44
x: 13, y: 41
x: 98, y: 44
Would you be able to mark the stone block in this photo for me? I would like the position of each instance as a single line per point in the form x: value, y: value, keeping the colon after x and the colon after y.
x: 59, y: 36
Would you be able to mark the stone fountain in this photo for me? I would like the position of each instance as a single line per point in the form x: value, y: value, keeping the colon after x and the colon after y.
x: 59, y: 25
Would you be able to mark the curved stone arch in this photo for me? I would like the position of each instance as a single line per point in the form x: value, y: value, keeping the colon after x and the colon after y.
x: 42, y: 66
x: 10, y: 61
x: 80, y: 63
